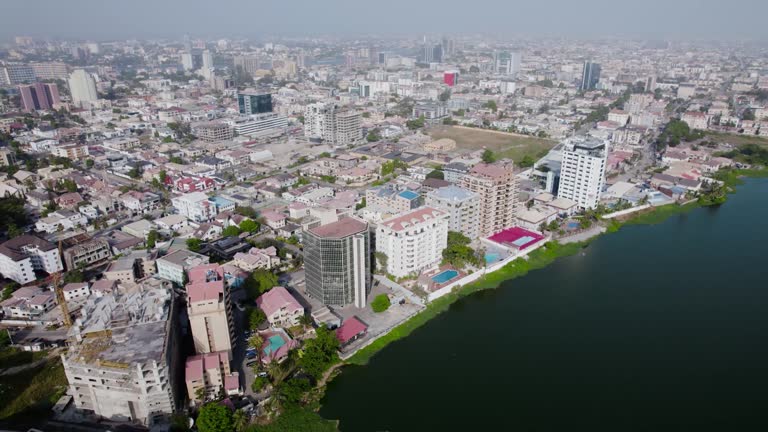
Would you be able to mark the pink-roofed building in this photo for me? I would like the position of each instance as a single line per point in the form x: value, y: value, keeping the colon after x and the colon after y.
x: 274, y: 219
x: 280, y: 307
x: 256, y: 258
x: 413, y: 241
x: 212, y: 373
x: 209, y: 309
x: 351, y: 330
x: 276, y: 346
x: 76, y: 290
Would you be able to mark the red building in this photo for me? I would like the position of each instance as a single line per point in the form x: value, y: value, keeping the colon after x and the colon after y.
x: 451, y: 78
x: 39, y: 96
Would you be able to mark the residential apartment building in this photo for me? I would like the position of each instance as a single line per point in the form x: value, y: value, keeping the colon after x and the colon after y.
x: 497, y: 188
x: 22, y: 255
x: 124, y: 354
x: 333, y: 124
x: 82, y: 87
x: 582, y: 172
x: 280, y: 307
x: 121, y: 144
x: 195, y: 206
x: 28, y: 303
x: 413, y: 241
x: 337, y: 261
x: 210, y: 310
x: 50, y: 70
x: 393, y: 200
x: 174, y: 266
x: 212, y: 373
x: 72, y: 151
x: 462, y: 206
x: 259, y: 124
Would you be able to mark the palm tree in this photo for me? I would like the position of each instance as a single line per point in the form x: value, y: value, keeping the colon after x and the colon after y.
x: 255, y: 342
x: 305, y: 320
x: 240, y: 420
x: 277, y: 372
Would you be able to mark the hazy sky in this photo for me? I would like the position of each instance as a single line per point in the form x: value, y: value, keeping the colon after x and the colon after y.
x: 105, y: 19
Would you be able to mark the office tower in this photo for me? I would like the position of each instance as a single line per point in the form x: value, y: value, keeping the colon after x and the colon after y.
x: 123, y: 355
x: 497, y: 187
x: 334, y: 125
x: 38, y: 96
x: 506, y: 63
x: 209, y: 309
x: 437, y: 53
x: 249, y: 64
x: 250, y: 102
x: 337, y: 261
x: 448, y: 46
x: 590, y: 76
x: 582, y: 172
x: 428, y: 53
x: 413, y: 241
x: 207, y: 59
x: 82, y: 87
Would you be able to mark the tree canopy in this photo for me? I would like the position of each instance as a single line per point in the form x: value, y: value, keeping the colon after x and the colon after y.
x: 488, y: 156
x: 215, y: 417
x: 458, y: 253
x: 380, y: 303
x: 319, y: 353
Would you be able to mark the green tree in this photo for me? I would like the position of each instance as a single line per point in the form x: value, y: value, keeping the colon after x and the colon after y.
x: 291, y: 392
x: 240, y: 420
x: 380, y: 303
x: 488, y: 156
x: 526, y: 162
x: 9, y: 289
x: 250, y: 226
x: 152, y: 238
x: 415, y: 124
x: 458, y: 253
x: 381, y: 261
x: 89, y: 163
x: 231, y: 231
x: 361, y: 204
x: 134, y: 173
x: 73, y: 276
x: 255, y: 317
x: 256, y: 341
x: 14, y: 231
x: 491, y: 105
x: 259, y: 383
x: 436, y: 174
x: 259, y: 282
x: 373, y: 136
x: 194, y: 244
x: 319, y: 353
x: 247, y: 211
x: 215, y: 417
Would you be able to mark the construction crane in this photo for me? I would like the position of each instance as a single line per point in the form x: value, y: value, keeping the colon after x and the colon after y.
x: 59, y: 290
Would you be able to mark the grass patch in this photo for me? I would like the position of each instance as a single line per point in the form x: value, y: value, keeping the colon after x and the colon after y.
x: 297, y: 419
x: 505, y: 145
x: 10, y: 357
x: 30, y: 394
x: 737, y: 140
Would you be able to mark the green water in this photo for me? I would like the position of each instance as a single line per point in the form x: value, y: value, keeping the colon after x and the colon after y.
x: 660, y: 327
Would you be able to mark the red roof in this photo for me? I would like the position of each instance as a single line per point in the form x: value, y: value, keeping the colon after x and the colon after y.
x: 510, y: 235
x: 351, y: 328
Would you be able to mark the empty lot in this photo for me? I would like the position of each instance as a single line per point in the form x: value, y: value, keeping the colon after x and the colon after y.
x: 504, y: 144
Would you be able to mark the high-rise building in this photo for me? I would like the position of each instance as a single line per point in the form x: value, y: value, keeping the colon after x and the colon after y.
x: 337, y: 261
x: 451, y: 78
x: 462, y: 206
x: 582, y: 172
x: 210, y: 309
x: 186, y: 61
x: 413, y: 241
x: 50, y: 70
x: 333, y: 124
x: 16, y: 74
x: 506, y: 63
x: 207, y: 59
x: 249, y: 64
x: 38, y: 96
x: 250, y: 102
x: 124, y: 353
x: 590, y: 76
x: 82, y: 87
x: 437, y: 53
x: 497, y: 188
x: 448, y: 47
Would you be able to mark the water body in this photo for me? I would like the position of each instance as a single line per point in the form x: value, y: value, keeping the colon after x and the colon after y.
x: 660, y: 327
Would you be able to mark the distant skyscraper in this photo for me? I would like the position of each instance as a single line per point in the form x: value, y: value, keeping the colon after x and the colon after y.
x: 447, y: 45
x: 437, y: 53
x: 506, y: 63
x: 582, y: 172
x: 249, y: 64
x: 39, y: 96
x: 337, y: 260
x: 428, y: 53
x: 207, y: 60
x: 186, y: 61
x: 254, y: 103
x: 82, y: 87
x: 590, y: 76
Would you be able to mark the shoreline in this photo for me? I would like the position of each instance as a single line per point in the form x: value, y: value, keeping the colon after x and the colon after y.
x: 536, y: 260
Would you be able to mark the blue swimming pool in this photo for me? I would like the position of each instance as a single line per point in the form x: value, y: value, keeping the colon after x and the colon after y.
x: 444, y: 276
x: 491, y: 257
x: 275, y: 343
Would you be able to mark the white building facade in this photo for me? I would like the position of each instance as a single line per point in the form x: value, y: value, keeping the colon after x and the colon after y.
x: 413, y: 241
x: 582, y: 174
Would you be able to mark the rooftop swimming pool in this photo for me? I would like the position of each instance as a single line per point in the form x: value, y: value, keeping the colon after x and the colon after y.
x: 444, y: 276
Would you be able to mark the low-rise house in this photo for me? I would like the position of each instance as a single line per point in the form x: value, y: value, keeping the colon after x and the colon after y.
x: 174, y: 266
x: 280, y: 307
x: 256, y: 258
x: 76, y: 290
x: 28, y: 303
x: 351, y: 330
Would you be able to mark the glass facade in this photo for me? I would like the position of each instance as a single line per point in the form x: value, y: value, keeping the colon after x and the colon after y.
x: 332, y: 264
x: 254, y: 103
